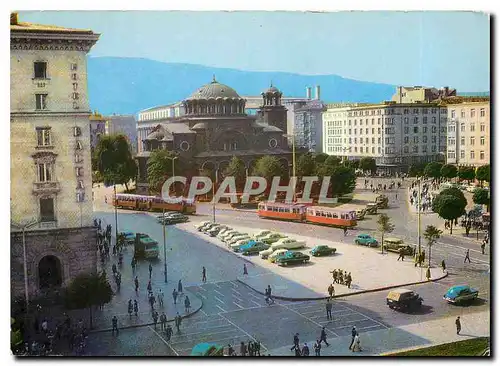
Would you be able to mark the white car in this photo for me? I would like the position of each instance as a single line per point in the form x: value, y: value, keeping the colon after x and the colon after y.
x: 288, y: 243
x: 215, y: 230
x: 262, y: 233
x: 269, y: 252
x: 224, y: 233
x: 238, y: 243
x: 201, y: 225
x: 272, y: 257
x: 232, y: 235
x: 237, y: 238
x: 209, y: 226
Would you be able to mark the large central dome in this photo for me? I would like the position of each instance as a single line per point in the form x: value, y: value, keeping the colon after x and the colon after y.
x: 214, y: 90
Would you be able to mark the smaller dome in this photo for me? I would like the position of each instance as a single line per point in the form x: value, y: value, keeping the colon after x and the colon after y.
x: 272, y: 89
x: 199, y: 126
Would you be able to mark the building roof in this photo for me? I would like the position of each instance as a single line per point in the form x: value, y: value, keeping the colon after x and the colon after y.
x: 214, y: 90
x: 33, y: 27
x: 464, y: 99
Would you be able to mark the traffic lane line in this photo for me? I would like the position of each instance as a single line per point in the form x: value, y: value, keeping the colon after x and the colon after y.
x: 366, y: 316
x: 219, y: 293
x: 307, y: 318
x: 261, y: 344
x: 203, y: 336
x: 241, y: 307
x: 164, y: 341
x: 219, y: 300
x: 224, y: 311
x: 183, y: 334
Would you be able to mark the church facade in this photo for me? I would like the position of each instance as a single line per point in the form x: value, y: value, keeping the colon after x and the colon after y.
x: 215, y: 127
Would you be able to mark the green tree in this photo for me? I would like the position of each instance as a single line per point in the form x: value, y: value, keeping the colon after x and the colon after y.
x: 352, y: 163
x: 449, y: 171
x: 433, y: 170
x: 483, y: 174
x: 431, y: 234
x: 88, y: 290
x: 320, y: 158
x: 159, y: 167
x: 328, y: 166
x: 416, y: 170
x: 454, y: 191
x: 384, y: 226
x: 114, y: 161
x: 342, y: 181
x: 482, y: 197
x: 368, y: 164
x: 268, y: 167
x: 237, y: 169
x: 306, y: 166
x: 449, y: 208
x: 466, y: 173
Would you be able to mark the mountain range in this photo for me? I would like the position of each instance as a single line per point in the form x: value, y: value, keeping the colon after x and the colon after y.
x: 127, y: 85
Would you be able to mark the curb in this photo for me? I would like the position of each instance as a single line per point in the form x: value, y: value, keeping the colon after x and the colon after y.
x: 345, y: 295
x: 146, y: 324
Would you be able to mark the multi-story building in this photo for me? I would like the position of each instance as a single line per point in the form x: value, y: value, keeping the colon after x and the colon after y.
x: 420, y: 94
x: 396, y: 135
x: 468, y: 131
x: 52, y: 233
x: 125, y: 125
x: 97, y: 129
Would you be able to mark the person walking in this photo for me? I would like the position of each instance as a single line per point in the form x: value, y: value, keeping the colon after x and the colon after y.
x: 443, y: 265
x: 174, y: 295
x: 163, y: 321
x: 149, y: 287
x: 322, y: 337
x: 178, y: 321
x: 136, y: 307
x: 317, y: 348
x: 245, y: 271
x: 130, y: 308
x: 132, y: 264
x: 251, y: 350
x: 357, y: 344
x: 401, y: 254
x: 345, y: 231
x: 329, y: 306
x: 458, y: 325
x: 136, y: 282
x: 305, y: 350
x: 348, y: 280
x: 168, y: 332
x: 179, y: 287
x: 150, y: 270
x: 354, y: 332
x: 204, y: 275
x: 243, y: 349
x: 152, y: 301
x: 483, y: 245
x: 467, y: 257
x: 160, y: 297
x: 256, y: 345
x: 295, y: 342
x: 428, y: 273
x: 187, y: 304
x: 155, y: 317
x: 114, y: 321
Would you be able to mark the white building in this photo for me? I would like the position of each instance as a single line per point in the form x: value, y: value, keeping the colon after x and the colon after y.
x: 50, y: 155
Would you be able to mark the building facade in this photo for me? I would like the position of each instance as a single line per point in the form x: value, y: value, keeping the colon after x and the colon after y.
x: 51, y: 186
x: 215, y: 127
x: 97, y: 129
x: 420, y: 94
x: 396, y: 135
x: 125, y: 125
x: 468, y: 131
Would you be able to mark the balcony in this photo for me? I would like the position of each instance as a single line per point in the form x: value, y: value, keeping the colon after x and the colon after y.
x: 41, y: 82
x: 46, y: 187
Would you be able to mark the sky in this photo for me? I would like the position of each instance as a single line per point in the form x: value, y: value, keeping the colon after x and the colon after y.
x: 448, y: 48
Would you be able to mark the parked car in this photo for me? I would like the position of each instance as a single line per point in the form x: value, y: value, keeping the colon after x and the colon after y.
x: 262, y: 233
x: 288, y: 243
x: 460, y: 294
x: 267, y: 253
x: 322, y: 250
x: 175, y: 219
x: 237, y: 238
x: 228, y: 237
x: 277, y: 253
x: 202, y: 225
x: 272, y: 238
x: 238, y: 244
x: 253, y: 247
x: 365, y: 239
x: 371, y: 209
x: 160, y: 217
x: 215, y: 230
x: 291, y: 258
x: 404, y: 299
x: 225, y: 233
x: 395, y: 245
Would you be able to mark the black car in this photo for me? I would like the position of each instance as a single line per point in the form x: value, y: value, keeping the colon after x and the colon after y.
x: 403, y: 299
x: 175, y: 219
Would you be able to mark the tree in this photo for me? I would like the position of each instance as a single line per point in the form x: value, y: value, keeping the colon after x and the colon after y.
x: 237, y: 169
x: 159, y: 167
x: 328, y: 166
x: 88, y: 290
x: 433, y: 170
x: 384, y: 226
x: 416, y: 170
x: 268, y: 167
x: 466, y: 173
x: 368, y: 164
x: 306, y: 166
x: 483, y: 174
x: 352, y: 163
x: 454, y: 191
x: 449, y: 171
x: 448, y: 207
x: 481, y: 197
x: 342, y: 181
x: 114, y: 161
x: 431, y: 234
x: 320, y: 158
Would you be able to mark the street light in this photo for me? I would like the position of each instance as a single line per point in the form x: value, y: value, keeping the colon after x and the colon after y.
x: 23, y: 229
x: 293, y: 157
x: 164, y: 229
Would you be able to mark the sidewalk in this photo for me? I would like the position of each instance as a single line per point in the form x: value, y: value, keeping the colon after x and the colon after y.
x: 418, y: 335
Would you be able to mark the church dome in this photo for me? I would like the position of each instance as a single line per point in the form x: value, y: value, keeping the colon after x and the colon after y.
x: 214, y: 90
x: 272, y: 89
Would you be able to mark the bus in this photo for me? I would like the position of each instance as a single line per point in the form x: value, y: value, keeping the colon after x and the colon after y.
x: 145, y: 247
x: 152, y: 203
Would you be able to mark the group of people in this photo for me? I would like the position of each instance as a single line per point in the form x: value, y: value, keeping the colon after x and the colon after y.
x: 425, y: 197
x: 341, y: 277
x: 379, y: 187
x: 251, y: 349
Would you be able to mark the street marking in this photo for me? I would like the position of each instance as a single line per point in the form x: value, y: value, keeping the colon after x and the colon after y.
x: 366, y: 316
x: 202, y: 288
x: 216, y: 285
x: 224, y: 311
x: 204, y: 335
x: 219, y: 293
x: 241, y: 307
x: 239, y: 293
x: 237, y: 298
x: 203, y: 296
x: 305, y: 317
x: 315, y: 311
x: 262, y: 345
x: 203, y: 332
x: 216, y: 298
x: 235, y: 285
x: 259, y: 305
x: 255, y: 296
x: 164, y: 341
x: 203, y: 312
x: 371, y: 326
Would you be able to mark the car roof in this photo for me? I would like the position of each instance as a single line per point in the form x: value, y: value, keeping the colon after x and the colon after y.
x: 458, y: 288
x: 401, y: 290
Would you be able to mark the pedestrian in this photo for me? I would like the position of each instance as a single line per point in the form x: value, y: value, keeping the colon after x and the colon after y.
x: 136, y: 307
x: 401, y: 254
x: 136, y: 282
x: 483, y: 245
x: 357, y: 344
x: 169, y: 332
x: 298, y: 352
x: 345, y: 231
x: 443, y: 265
x: 163, y: 321
x: 330, y: 290
x: 99, y: 224
x: 250, y: 349
x: 322, y: 337
x: 458, y: 324
x: 348, y: 280
x: 115, y: 325
x: 334, y: 275
x: 132, y: 264
x: 230, y: 350
x: 329, y: 306
x: 174, y: 295
x: 178, y: 321
x: 155, y: 317
x: 179, y: 287
x: 152, y: 301
x: 305, y: 350
x: 245, y: 271
x: 150, y: 270
x: 149, y: 287
x: 428, y: 273
x: 295, y: 342
x: 130, y: 308
x: 187, y: 304
x: 204, y: 274
x: 114, y: 249
x: 243, y: 349
x: 256, y: 345
x: 354, y: 332
x: 160, y: 298
x: 467, y: 258
x: 317, y: 348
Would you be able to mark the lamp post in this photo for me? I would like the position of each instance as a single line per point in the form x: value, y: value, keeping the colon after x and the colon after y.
x: 164, y: 228
x: 293, y: 157
x: 25, y: 261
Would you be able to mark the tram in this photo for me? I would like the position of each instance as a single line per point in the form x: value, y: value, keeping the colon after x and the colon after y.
x: 152, y: 203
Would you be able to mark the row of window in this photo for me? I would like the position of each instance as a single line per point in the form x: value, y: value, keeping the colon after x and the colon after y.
x: 451, y: 154
x: 46, y: 173
x: 44, y: 137
x: 472, y: 113
x: 472, y: 141
x: 393, y: 111
x: 41, y: 100
x: 472, y: 126
x: 40, y: 69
